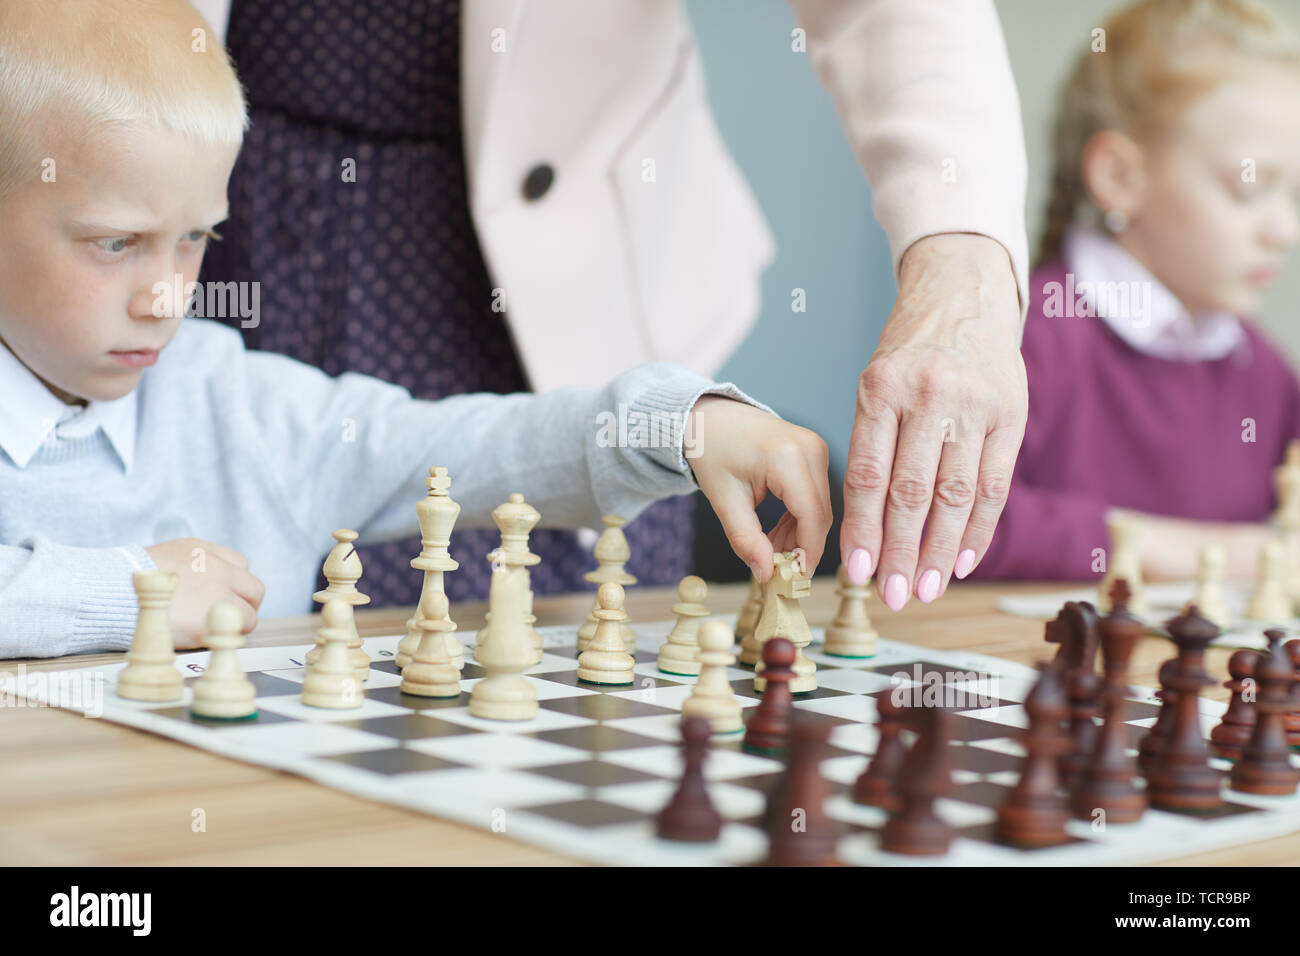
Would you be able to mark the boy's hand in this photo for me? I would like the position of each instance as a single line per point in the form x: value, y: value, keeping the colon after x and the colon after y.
x: 209, y: 573
x: 743, y: 453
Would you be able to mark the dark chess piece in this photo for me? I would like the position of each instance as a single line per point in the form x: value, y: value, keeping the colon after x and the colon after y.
x: 799, y: 832
x: 926, y: 776
x: 1107, y: 784
x: 1265, y: 763
x: 1074, y: 631
x: 1292, y: 719
x: 768, y: 729
x: 1238, y: 724
x: 1181, y: 777
x: 878, y: 784
x: 1156, y: 738
x: 1085, y: 705
x: 1035, y: 813
x: 690, y: 815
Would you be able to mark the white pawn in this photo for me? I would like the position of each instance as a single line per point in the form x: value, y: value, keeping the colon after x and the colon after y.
x: 151, y: 672
x: 432, y: 671
x: 606, y: 660
x: 1124, y: 562
x: 1209, y: 587
x: 505, y: 694
x: 331, y: 679
x: 1269, y: 601
x: 712, y: 696
x: 851, y: 633
x: 681, y: 652
x: 224, y: 692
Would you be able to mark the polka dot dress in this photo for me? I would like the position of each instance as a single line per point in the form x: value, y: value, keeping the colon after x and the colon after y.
x: 348, y: 204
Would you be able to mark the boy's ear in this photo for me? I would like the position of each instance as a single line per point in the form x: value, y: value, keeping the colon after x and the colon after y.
x: 1113, y: 172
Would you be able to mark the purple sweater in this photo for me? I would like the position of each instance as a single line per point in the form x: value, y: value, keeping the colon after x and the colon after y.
x: 1110, y: 426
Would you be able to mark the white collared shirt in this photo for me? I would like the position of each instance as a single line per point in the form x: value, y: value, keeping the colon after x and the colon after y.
x: 30, y: 415
x: 1164, y: 329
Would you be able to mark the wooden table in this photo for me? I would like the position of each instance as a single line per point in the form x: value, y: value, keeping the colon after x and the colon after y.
x: 81, y: 791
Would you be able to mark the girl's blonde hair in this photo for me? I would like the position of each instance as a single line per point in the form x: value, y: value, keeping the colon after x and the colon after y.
x: 1158, y: 57
x: 95, y: 65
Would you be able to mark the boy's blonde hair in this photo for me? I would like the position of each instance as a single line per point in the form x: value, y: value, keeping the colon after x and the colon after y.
x: 1159, y: 56
x: 95, y: 65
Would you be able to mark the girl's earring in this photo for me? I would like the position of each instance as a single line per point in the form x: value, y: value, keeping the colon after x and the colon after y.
x: 1116, y: 220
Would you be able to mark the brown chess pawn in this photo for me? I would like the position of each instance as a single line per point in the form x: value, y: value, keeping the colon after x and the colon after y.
x: 1107, y: 784
x: 878, y: 784
x: 1265, y: 763
x: 1035, y: 812
x: 926, y: 776
x: 690, y: 815
x: 1181, y: 777
x: 1085, y: 706
x: 1155, y: 739
x: 1292, y: 719
x: 768, y: 729
x: 799, y: 832
x: 1238, y: 724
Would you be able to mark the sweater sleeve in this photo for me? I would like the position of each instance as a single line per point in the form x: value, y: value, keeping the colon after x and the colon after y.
x: 57, y: 600
x: 925, y: 93
x: 354, y: 451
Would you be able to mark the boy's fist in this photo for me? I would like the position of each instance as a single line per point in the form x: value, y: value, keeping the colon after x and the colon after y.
x: 208, y: 573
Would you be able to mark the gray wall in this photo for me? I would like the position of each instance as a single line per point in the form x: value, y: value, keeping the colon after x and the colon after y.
x: 782, y: 128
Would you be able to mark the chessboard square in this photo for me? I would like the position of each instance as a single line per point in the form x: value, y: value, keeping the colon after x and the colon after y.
x: 996, y: 687
x: 408, y: 726
x: 819, y: 657
x: 185, y: 715
x: 975, y: 758
x: 666, y: 762
x: 1005, y: 745
x: 930, y: 672
x: 544, y: 720
x: 844, y: 770
x: 566, y: 683
x: 854, y: 681
x: 745, y: 689
x: 482, y: 791
x: 982, y: 793
x: 377, y: 679
x: 670, y: 697
x: 393, y: 761
x: 858, y: 737
x: 958, y: 814
x: 593, y: 773
x: 298, y: 737
x: 293, y: 707
x: 385, y: 666
x: 598, y: 738
x: 1137, y: 710
x: 503, y: 751
x: 847, y: 707
x: 585, y: 813
x: 612, y: 706
x: 1011, y: 715
x: 663, y: 726
x: 971, y: 729
x: 551, y: 663
x: 394, y: 696
x: 266, y: 685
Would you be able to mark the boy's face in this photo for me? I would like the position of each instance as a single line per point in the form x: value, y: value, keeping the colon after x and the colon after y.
x: 1219, y: 211
x: 79, y: 256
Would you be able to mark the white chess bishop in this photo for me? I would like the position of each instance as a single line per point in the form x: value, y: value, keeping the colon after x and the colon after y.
x: 342, y: 570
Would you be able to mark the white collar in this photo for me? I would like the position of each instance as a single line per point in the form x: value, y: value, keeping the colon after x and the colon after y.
x: 1161, y: 326
x: 30, y: 414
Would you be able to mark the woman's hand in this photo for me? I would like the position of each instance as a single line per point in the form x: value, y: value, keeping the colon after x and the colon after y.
x: 941, y: 413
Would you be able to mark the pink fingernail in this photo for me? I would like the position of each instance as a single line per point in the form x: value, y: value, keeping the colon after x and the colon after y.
x: 896, y: 592
x: 965, y: 563
x: 928, y: 589
x: 859, y: 566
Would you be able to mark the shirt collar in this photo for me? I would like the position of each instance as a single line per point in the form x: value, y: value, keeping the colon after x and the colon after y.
x: 30, y: 415
x: 1155, y: 323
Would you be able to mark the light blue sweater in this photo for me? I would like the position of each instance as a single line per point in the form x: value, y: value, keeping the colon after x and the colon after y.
x: 268, y: 456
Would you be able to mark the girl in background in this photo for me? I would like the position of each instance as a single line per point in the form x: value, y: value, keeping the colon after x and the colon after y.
x: 1174, y: 203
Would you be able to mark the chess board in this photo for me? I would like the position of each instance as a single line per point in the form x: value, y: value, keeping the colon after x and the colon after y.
x: 587, y: 776
x: 1164, y: 601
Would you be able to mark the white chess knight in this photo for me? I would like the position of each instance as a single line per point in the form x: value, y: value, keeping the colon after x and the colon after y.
x: 790, y: 584
x: 224, y: 692
x: 505, y: 694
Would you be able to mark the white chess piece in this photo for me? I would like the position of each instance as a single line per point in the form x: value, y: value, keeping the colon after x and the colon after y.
x: 505, y: 694
x: 1209, y: 587
x: 331, y: 679
x: 712, y: 696
x: 224, y: 692
x: 432, y: 672
x: 342, y: 570
x: 151, y: 673
x: 1269, y: 601
x: 606, y: 660
x: 515, y: 519
x: 1124, y: 562
x: 680, y: 653
x: 851, y: 633
x: 612, y: 553
x: 437, y: 514
x: 782, y: 615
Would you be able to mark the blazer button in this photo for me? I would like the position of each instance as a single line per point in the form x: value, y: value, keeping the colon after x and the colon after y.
x: 538, y: 181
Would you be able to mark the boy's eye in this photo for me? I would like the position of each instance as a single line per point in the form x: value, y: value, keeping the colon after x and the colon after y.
x: 114, y: 246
